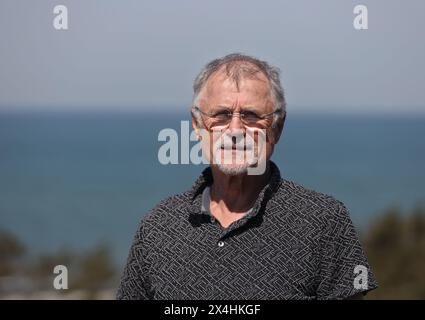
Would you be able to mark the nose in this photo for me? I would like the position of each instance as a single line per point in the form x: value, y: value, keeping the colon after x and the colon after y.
x: 236, y: 123
x: 236, y: 129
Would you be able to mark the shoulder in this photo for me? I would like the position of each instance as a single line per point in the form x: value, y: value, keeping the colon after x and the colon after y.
x: 168, y: 208
x: 164, y: 216
x: 309, y: 204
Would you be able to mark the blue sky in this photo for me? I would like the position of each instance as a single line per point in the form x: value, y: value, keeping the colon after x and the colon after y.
x: 143, y: 55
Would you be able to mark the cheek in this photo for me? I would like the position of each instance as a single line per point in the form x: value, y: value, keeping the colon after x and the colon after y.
x: 270, y: 142
x: 269, y: 149
x: 260, y: 137
x: 267, y: 141
x: 208, y: 142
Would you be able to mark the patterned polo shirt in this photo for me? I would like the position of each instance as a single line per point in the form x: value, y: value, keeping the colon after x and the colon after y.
x: 295, y: 243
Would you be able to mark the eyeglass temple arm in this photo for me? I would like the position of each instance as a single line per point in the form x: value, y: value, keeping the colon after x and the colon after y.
x: 263, y: 116
x: 272, y: 113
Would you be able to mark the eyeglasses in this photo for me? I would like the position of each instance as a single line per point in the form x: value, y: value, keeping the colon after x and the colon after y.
x: 224, y: 117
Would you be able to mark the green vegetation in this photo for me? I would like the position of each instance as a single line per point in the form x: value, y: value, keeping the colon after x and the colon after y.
x: 395, y: 246
x: 11, y: 250
x: 89, y: 272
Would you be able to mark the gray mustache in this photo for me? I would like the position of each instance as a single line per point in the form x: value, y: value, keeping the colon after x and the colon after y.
x: 244, y: 144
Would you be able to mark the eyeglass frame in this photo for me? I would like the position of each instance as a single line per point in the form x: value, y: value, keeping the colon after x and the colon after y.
x: 262, y: 117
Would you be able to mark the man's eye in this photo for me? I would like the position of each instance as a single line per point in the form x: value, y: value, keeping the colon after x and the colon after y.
x: 250, y: 115
x: 222, y: 114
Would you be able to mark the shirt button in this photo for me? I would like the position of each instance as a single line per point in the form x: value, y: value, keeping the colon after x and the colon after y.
x: 212, y: 219
x: 220, y: 244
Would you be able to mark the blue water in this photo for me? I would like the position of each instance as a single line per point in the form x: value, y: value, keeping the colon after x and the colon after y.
x: 77, y: 179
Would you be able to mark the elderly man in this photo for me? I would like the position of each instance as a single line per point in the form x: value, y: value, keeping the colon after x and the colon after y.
x: 241, y: 234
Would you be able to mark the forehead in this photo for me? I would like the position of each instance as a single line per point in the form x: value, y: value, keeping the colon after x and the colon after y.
x: 222, y: 88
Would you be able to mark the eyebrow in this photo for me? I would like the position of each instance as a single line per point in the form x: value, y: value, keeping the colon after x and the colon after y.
x: 251, y: 108
x: 221, y: 108
x: 248, y: 108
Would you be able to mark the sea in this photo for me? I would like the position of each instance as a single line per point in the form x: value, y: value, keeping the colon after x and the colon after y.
x: 77, y: 179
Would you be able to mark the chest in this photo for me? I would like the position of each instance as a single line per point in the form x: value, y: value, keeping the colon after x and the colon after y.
x: 250, y: 265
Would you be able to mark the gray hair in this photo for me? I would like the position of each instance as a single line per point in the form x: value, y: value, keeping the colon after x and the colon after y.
x: 238, y: 66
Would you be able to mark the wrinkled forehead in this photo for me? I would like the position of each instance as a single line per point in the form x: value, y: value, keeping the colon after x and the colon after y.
x: 245, y: 86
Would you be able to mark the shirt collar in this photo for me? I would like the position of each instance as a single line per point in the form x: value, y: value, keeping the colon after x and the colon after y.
x: 206, y: 179
x: 206, y: 199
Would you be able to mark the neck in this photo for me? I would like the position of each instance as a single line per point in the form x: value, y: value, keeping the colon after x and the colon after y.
x: 237, y: 193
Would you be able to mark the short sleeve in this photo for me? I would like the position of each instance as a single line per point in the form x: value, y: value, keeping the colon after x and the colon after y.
x: 133, y: 284
x: 344, y: 269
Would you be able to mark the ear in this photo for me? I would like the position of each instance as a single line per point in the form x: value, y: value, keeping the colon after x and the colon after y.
x: 195, y: 124
x: 277, y: 130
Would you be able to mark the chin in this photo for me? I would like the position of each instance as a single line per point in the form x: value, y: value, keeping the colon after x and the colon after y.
x: 233, y: 169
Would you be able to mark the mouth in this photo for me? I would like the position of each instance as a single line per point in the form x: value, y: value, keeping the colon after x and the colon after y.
x: 234, y: 148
